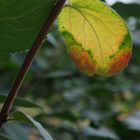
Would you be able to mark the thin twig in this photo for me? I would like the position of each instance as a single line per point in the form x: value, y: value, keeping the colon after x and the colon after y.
x: 28, y: 61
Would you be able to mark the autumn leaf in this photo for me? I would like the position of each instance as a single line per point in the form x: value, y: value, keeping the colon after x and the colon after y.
x: 97, y: 39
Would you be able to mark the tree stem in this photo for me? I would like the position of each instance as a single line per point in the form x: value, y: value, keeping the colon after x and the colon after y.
x: 28, y: 61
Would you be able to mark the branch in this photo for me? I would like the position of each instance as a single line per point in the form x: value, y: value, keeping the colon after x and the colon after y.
x: 28, y: 61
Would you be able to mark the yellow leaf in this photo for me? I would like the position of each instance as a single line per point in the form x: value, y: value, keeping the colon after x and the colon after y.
x: 97, y: 38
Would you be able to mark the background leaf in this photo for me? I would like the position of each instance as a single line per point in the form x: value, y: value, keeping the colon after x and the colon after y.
x: 21, y: 117
x: 11, y: 130
x: 21, y: 21
x: 2, y: 137
x: 124, y: 9
x: 101, y: 134
x: 20, y: 102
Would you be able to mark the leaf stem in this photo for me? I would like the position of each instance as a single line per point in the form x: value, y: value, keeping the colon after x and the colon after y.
x: 28, y: 61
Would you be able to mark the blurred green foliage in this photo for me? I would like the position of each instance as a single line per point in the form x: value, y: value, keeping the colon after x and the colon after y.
x: 76, y: 107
